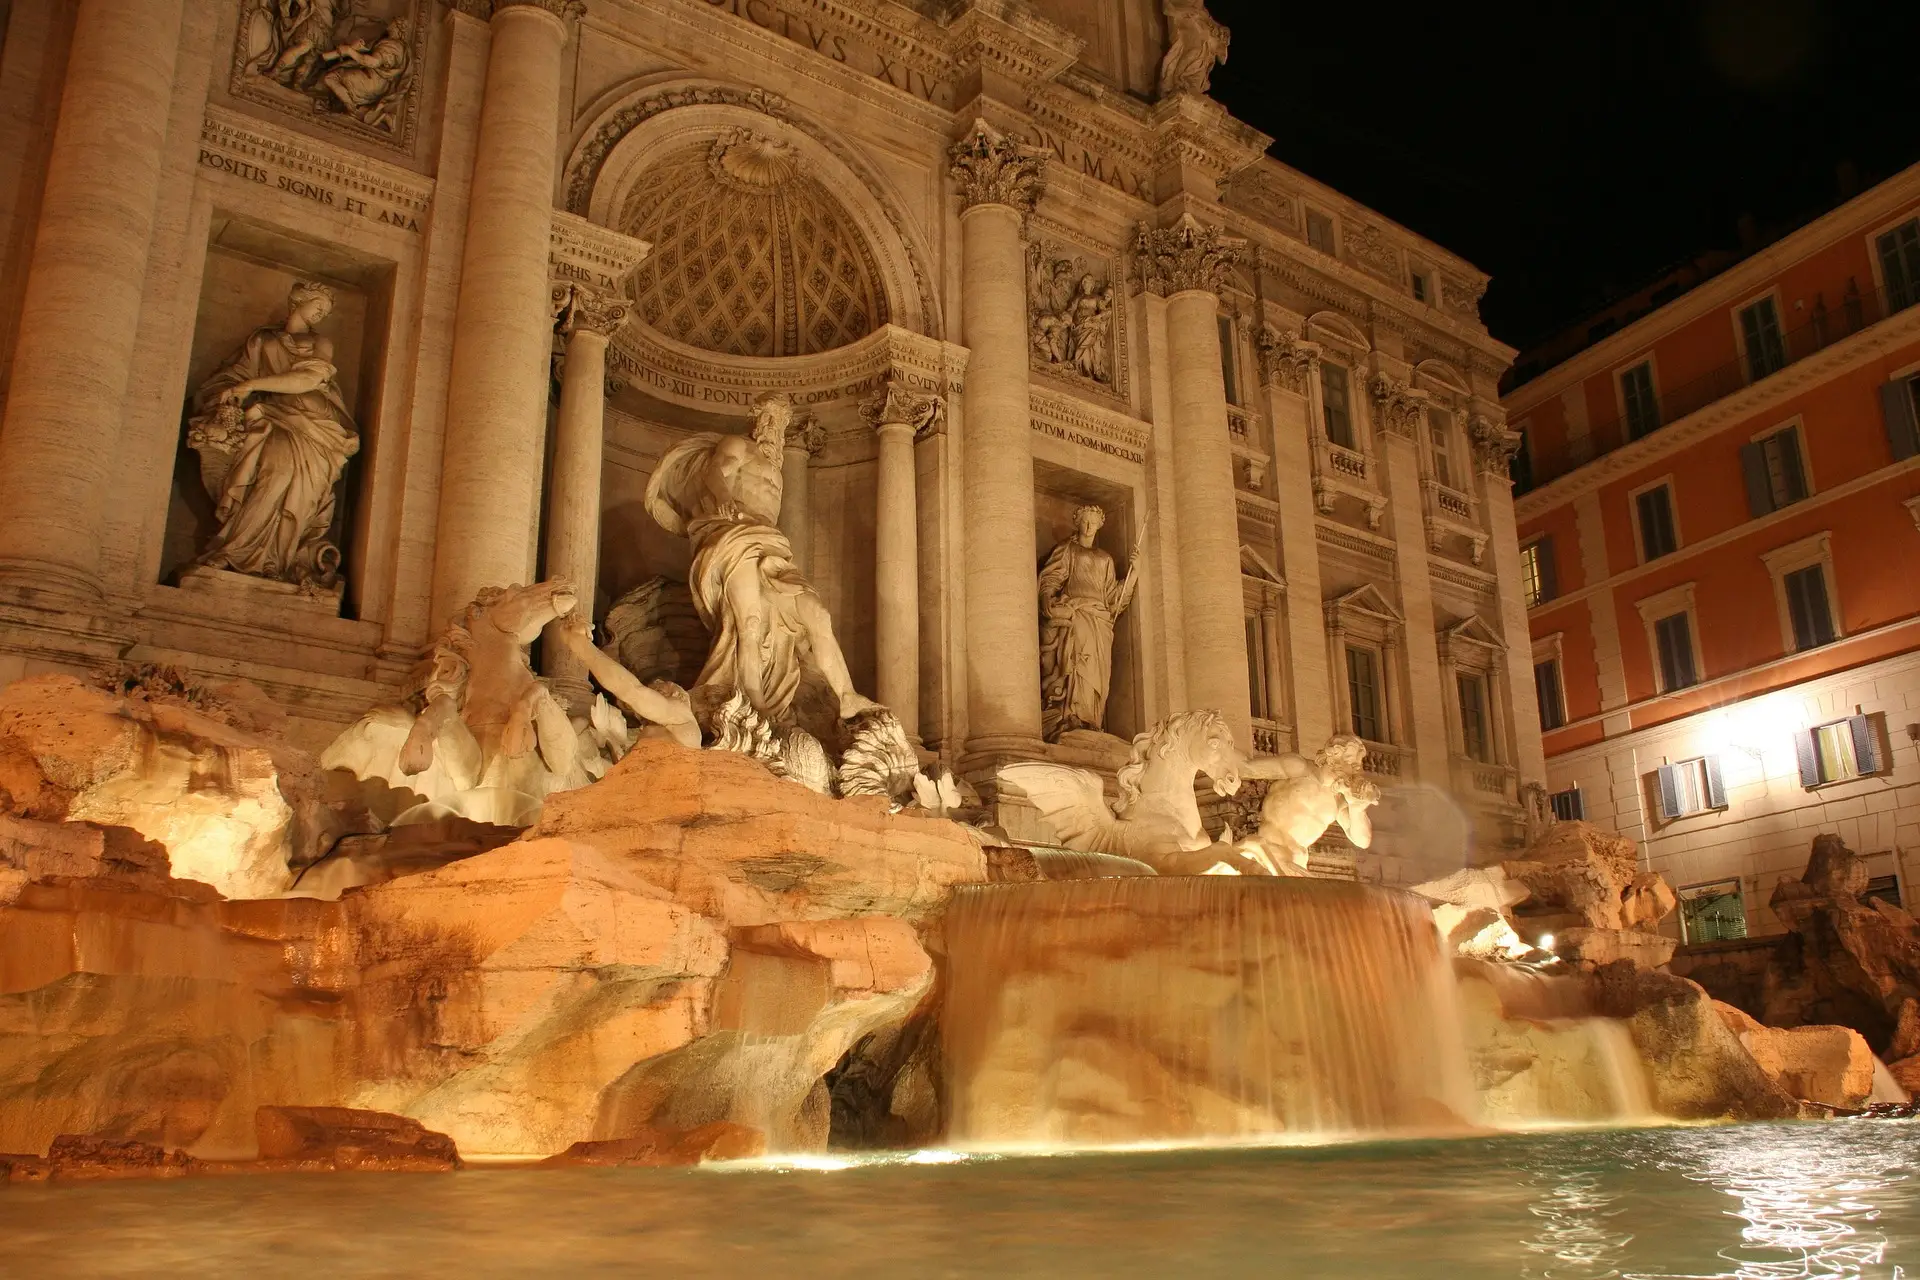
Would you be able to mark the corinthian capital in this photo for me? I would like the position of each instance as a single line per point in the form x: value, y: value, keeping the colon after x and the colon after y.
x: 991, y: 168
x: 805, y: 433
x: 1287, y: 360
x: 1186, y: 255
x: 896, y: 402
x: 580, y: 309
x: 1399, y: 406
x: 1494, y: 445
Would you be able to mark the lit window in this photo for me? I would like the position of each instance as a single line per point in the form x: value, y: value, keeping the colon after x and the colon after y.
x: 1760, y: 327
x: 1673, y: 635
x: 1692, y: 786
x: 1476, y: 734
x: 1320, y: 231
x: 1546, y: 687
x: 1657, y: 535
x: 1334, y: 405
x: 1713, y: 912
x: 1838, y: 751
x: 1775, y: 472
x: 1643, y: 411
x: 1568, y: 806
x: 1363, y: 691
x: 1538, y: 580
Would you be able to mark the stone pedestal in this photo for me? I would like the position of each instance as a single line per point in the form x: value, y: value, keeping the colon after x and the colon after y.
x: 281, y: 597
x: 80, y: 312
x: 1186, y: 262
x: 898, y: 415
x: 998, y: 180
x: 573, y: 503
x: 503, y: 329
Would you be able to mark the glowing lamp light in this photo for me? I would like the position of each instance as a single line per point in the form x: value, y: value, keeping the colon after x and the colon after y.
x: 1546, y: 942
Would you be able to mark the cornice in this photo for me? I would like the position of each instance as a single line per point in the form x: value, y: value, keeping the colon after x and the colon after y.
x: 1371, y: 545
x: 1723, y: 291
x: 252, y: 138
x: 1012, y: 39
x: 1823, y: 366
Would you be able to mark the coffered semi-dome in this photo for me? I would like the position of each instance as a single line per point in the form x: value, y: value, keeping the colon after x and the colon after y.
x: 752, y: 255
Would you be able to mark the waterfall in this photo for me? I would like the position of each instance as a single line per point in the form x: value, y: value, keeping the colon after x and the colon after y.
x: 1146, y: 1009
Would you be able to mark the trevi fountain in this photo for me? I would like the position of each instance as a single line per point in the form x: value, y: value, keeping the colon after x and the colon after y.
x: 787, y: 634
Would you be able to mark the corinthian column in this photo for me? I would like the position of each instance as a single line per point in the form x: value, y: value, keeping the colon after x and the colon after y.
x: 587, y: 320
x: 804, y: 438
x: 998, y: 180
x: 899, y: 415
x: 80, y: 311
x: 1186, y: 263
x: 503, y: 328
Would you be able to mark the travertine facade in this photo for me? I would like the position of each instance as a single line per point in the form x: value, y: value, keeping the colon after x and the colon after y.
x: 1007, y: 260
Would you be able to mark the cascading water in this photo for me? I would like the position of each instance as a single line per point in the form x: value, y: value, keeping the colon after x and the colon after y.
x: 1197, y: 1008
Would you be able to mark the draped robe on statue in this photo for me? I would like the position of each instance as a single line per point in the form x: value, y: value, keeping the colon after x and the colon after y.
x: 275, y: 503
x: 1081, y: 598
x: 729, y: 539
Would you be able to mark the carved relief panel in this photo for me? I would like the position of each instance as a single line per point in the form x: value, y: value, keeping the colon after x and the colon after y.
x: 1073, y: 324
x: 354, y: 65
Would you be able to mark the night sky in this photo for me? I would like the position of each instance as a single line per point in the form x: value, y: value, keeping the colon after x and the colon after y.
x: 1575, y: 150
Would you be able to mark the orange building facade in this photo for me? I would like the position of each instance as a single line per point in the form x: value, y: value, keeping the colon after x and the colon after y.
x: 1720, y: 528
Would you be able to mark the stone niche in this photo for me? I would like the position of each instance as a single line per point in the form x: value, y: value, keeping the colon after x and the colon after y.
x: 1058, y: 493
x: 250, y: 269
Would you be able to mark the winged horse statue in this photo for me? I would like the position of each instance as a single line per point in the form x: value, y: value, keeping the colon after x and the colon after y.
x: 1157, y: 820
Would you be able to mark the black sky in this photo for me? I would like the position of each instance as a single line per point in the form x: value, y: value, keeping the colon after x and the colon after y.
x: 1572, y: 150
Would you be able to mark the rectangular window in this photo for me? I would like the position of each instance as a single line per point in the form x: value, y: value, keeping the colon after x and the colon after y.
x: 1775, y: 472
x: 1807, y: 607
x: 1363, y: 692
x: 1643, y: 411
x: 1760, y: 327
x: 1420, y: 291
x: 1655, y: 509
x: 1835, y: 752
x: 1674, y: 636
x: 1440, y: 433
x: 1900, y: 264
x: 1320, y: 231
x: 1538, y: 578
x: 1546, y: 688
x: 1900, y: 407
x: 1568, y: 805
x: 1885, y: 888
x: 1334, y: 405
x: 1713, y: 912
x: 1229, y: 367
x: 1256, y: 669
x: 1476, y: 726
x: 1692, y: 786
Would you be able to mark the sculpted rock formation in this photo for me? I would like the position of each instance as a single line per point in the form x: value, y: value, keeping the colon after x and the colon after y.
x: 1846, y: 961
x: 202, y: 773
x: 273, y: 435
x: 689, y: 941
x: 1585, y: 887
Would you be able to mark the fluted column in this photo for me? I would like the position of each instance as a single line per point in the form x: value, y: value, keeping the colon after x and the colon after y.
x: 804, y: 438
x: 1493, y: 447
x: 1187, y: 263
x: 998, y: 179
x: 80, y: 312
x: 503, y: 329
x: 587, y: 321
x: 899, y: 415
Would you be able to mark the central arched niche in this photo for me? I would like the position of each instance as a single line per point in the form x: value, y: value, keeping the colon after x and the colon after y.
x: 752, y: 255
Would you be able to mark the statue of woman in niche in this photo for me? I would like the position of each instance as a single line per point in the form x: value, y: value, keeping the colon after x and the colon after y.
x: 273, y: 435
x: 1080, y: 599
x: 1092, y: 319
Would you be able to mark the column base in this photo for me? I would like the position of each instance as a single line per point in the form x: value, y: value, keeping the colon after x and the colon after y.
x: 37, y: 584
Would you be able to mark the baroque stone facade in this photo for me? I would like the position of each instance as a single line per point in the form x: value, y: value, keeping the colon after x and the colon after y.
x: 1087, y: 289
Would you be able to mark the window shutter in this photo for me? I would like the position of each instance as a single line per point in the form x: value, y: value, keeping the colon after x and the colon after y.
x: 1667, y: 783
x: 1866, y: 745
x: 1794, y: 463
x: 1808, y: 759
x: 1716, y: 789
x: 1896, y: 405
x: 1753, y: 464
x: 1549, y: 576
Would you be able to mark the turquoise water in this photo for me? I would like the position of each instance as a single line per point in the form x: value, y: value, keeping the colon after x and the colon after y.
x: 1840, y: 1199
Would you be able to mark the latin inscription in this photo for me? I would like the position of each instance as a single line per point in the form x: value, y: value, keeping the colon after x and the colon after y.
x: 770, y: 17
x: 308, y: 190
x: 1076, y: 157
x: 1085, y: 441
